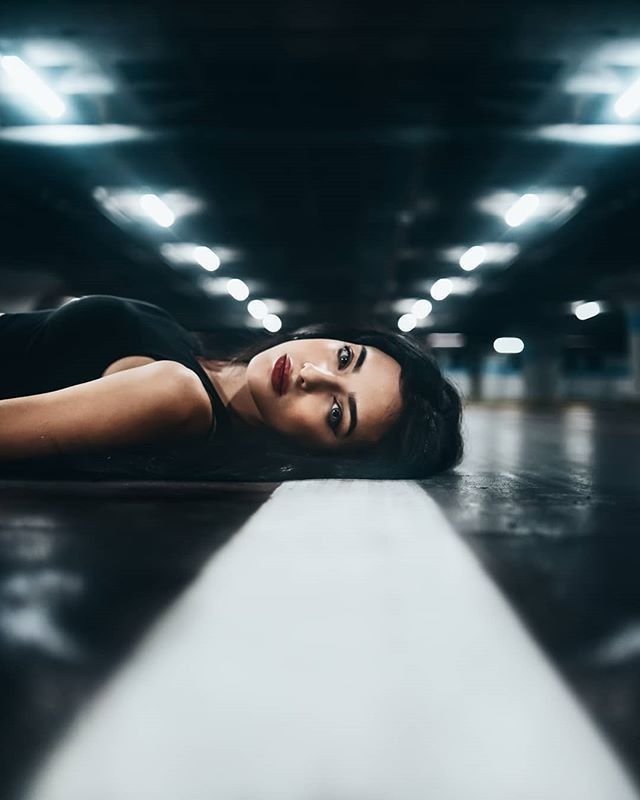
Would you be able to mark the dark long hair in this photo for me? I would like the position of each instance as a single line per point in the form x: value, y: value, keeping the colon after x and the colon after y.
x: 425, y: 440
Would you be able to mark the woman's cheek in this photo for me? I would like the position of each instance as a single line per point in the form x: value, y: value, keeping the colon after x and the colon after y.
x: 297, y: 420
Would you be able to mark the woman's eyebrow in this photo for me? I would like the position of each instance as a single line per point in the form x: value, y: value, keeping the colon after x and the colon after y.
x: 353, y: 408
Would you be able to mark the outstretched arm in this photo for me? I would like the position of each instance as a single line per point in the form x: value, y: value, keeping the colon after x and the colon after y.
x: 159, y: 402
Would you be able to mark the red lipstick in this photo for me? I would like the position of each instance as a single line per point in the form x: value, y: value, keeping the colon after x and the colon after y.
x: 280, y: 374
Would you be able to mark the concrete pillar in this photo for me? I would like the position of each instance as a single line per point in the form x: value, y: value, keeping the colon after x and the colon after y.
x: 624, y: 289
x: 541, y: 368
x: 475, y: 373
x: 633, y: 328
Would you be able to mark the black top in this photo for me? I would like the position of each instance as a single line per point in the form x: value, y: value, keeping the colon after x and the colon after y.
x: 41, y: 351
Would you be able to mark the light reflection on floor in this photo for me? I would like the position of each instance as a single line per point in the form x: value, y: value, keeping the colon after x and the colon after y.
x: 344, y: 644
x: 547, y: 499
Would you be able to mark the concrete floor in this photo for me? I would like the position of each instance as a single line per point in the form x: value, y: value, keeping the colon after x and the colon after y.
x: 548, y: 502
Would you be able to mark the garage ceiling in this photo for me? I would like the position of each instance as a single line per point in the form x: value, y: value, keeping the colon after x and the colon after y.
x: 338, y: 157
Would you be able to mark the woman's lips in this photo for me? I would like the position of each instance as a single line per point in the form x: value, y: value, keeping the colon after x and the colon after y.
x: 280, y: 374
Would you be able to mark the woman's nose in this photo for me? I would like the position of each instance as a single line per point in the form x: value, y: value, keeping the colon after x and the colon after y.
x: 312, y: 377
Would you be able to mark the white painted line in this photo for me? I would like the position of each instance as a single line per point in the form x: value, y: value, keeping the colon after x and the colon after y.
x: 344, y: 645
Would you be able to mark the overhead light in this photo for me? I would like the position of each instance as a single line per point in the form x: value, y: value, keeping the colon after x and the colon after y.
x: 258, y: 309
x: 158, y: 210
x: 629, y: 101
x: 27, y: 82
x: 421, y: 309
x: 53, y: 52
x: 494, y: 253
x: 459, y: 285
x: 600, y: 80
x: 191, y: 253
x: 553, y: 204
x: 441, y: 288
x: 445, y: 340
x: 473, y: 257
x: 126, y: 206
x: 521, y: 210
x: 587, y: 310
x: 620, y: 51
x: 407, y: 322
x: 613, y: 134
x: 237, y: 289
x: 76, y: 81
x: 508, y: 344
x: 206, y: 258
x: 72, y: 134
x: 272, y: 322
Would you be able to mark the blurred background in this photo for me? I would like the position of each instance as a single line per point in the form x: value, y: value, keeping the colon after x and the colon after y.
x: 464, y: 171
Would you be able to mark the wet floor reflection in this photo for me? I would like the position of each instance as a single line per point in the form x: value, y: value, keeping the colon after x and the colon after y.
x: 345, y: 644
x: 548, y: 500
x: 554, y: 514
x: 81, y: 578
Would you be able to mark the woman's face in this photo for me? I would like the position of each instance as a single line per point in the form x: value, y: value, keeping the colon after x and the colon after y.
x: 339, y: 394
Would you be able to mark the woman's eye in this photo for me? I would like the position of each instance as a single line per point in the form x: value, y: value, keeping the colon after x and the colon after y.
x: 349, y: 351
x: 335, y: 415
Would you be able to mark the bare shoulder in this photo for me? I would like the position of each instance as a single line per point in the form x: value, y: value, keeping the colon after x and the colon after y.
x: 186, y: 393
x: 184, y: 385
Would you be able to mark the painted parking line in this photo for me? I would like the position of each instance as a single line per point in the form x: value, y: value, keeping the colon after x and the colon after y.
x: 344, y: 644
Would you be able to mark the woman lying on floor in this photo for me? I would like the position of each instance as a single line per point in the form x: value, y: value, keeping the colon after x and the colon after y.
x: 115, y: 387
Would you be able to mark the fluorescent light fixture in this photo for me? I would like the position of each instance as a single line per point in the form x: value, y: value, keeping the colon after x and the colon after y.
x: 421, y: 309
x: 555, y: 204
x: 521, y: 210
x: 237, y: 289
x: 587, y: 310
x: 190, y: 253
x: 629, y: 101
x: 214, y: 286
x: 441, y: 288
x: 126, y: 206
x: 72, y: 134
x: 500, y: 253
x: 275, y: 306
x: 589, y: 134
x: 407, y: 322
x: 272, y: 323
x: 258, y: 309
x: 158, y: 210
x: 459, y: 286
x: 508, y: 344
x: 81, y: 82
x: 594, y: 81
x: 26, y: 82
x: 51, y: 52
x: 472, y: 257
x: 206, y: 258
x: 623, y: 51
x: 446, y: 340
